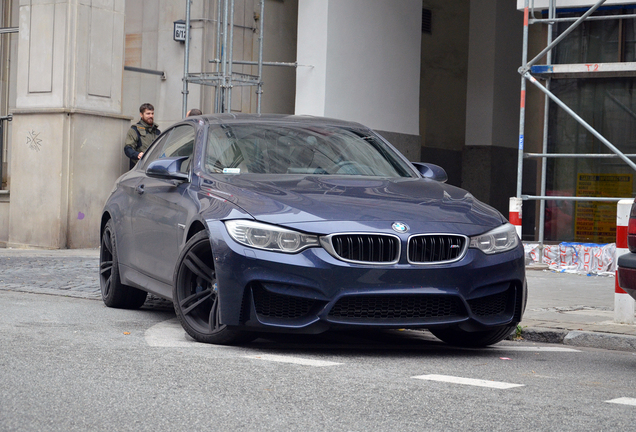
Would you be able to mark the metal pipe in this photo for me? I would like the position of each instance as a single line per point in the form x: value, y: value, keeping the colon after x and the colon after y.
x: 573, y: 156
x: 571, y: 19
x: 259, y: 88
x: 224, y: 59
x: 162, y: 74
x: 570, y: 198
x: 235, y: 25
x: 522, y: 109
x: 230, y: 55
x: 254, y: 63
x: 563, y: 35
x: 186, y: 62
x: 9, y: 30
x: 582, y: 122
x: 217, y: 90
x: 546, y: 119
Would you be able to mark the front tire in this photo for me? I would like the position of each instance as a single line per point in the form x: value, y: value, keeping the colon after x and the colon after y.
x: 196, y: 296
x: 462, y: 338
x: 114, y: 293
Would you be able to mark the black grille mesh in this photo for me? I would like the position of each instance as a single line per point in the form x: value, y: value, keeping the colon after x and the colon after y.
x: 397, y: 307
x: 366, y: 247
x: 274, y: 305
x: 490, y: 305
x: 435, y: 248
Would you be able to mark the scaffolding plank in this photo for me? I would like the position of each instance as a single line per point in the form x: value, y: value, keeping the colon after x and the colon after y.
x: 585, y: 70
x: 543, y: 4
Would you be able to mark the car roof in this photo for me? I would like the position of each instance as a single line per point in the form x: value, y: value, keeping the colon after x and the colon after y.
x: 238, y: 118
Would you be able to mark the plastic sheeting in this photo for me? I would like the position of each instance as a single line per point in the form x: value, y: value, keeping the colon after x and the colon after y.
x: 582, y: 258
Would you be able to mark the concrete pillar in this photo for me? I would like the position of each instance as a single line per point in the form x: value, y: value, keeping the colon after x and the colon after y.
x: 364, y: 58
x: 68, y: 131
x: 492, y: 101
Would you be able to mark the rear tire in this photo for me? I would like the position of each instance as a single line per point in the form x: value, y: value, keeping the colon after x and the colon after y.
x: 196, y: 298
x: 114, y: 293
x: 473, y: 339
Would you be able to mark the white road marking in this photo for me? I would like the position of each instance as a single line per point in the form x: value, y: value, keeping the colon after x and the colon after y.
x: 468, y: 381
x: 295, y: 360
x: 623, y: 401
x: 170, y: 334
x: 535, y: 349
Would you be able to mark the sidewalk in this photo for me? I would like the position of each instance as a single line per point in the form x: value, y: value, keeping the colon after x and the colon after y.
x: 562, y: 308
x: 575, y: 310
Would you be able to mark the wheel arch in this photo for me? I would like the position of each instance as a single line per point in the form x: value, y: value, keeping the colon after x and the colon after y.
x: 106, y: 216
x: 195, y: 227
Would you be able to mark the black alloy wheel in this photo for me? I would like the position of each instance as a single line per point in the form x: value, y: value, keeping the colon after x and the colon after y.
x: 114, y: 293
x: 196, y: 295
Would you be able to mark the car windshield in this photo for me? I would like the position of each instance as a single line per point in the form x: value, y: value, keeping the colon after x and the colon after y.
x: 300, y: 149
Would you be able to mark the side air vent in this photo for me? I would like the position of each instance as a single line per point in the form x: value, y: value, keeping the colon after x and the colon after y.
x: 492, y: 305
x: 273, y: 305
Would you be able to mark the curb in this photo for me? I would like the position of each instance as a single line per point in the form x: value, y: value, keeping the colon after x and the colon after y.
x: 609, y: 341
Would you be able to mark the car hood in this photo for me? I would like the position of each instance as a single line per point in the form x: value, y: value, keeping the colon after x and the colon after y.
x: 290, y: 200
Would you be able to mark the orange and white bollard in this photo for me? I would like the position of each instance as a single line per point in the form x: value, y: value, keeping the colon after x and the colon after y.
x: 623, y: 302
x: 515, y: 214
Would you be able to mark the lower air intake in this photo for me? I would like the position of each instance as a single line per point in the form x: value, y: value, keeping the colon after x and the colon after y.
x: 273, y: 305
x: 397, y: 307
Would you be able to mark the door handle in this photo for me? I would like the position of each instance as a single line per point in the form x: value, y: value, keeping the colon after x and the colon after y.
x: 140, y: 189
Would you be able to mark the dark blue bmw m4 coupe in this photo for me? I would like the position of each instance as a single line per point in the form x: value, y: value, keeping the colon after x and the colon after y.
x: 252, y: 224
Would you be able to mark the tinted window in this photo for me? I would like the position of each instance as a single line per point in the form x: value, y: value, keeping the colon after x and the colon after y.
x: 179, y: 142
x: 299, y: 149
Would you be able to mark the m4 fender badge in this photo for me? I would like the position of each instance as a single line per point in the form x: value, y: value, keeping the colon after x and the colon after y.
x: 400, y: 227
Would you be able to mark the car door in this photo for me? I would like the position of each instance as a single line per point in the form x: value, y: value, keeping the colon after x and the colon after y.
x: 159, y: 212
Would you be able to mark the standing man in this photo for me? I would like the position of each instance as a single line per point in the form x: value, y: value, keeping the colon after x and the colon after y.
x: 141, y: 134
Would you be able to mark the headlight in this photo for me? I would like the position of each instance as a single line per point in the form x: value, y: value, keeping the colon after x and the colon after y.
x: 269, y: 237
x: 501, y: 239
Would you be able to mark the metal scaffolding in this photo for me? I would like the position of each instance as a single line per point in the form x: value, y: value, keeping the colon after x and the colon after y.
x: 532, y: 72
x: 224, y: 78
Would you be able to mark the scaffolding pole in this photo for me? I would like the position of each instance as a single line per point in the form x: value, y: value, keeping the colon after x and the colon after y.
x: 550, y: 71
x: 186, y: 61
x: 224, y: 78
x: 544, y: 161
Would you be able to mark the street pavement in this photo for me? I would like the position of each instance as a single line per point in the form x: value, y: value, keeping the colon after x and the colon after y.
x: 562, y: 308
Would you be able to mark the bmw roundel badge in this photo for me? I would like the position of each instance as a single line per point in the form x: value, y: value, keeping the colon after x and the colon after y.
x: 400, y: 227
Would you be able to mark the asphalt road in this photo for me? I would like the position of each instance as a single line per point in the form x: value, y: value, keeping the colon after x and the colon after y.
x: 72, y: 364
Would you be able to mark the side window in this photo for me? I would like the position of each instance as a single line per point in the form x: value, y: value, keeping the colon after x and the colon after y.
x: 180, y: 142
x: 154, y: 151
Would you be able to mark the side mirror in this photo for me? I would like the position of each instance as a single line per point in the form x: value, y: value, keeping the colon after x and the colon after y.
x: 431, y: 171
x: 167, y: 168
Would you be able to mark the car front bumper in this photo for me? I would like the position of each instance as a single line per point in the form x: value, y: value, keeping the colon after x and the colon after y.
x: 312, y: 291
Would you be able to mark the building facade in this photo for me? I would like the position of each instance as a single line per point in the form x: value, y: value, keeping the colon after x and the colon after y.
x: 437, y: 78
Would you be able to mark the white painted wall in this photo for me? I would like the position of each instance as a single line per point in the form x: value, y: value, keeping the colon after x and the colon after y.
x: 311, y: 74
x: 366, y: 62
x: 543, y: 4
